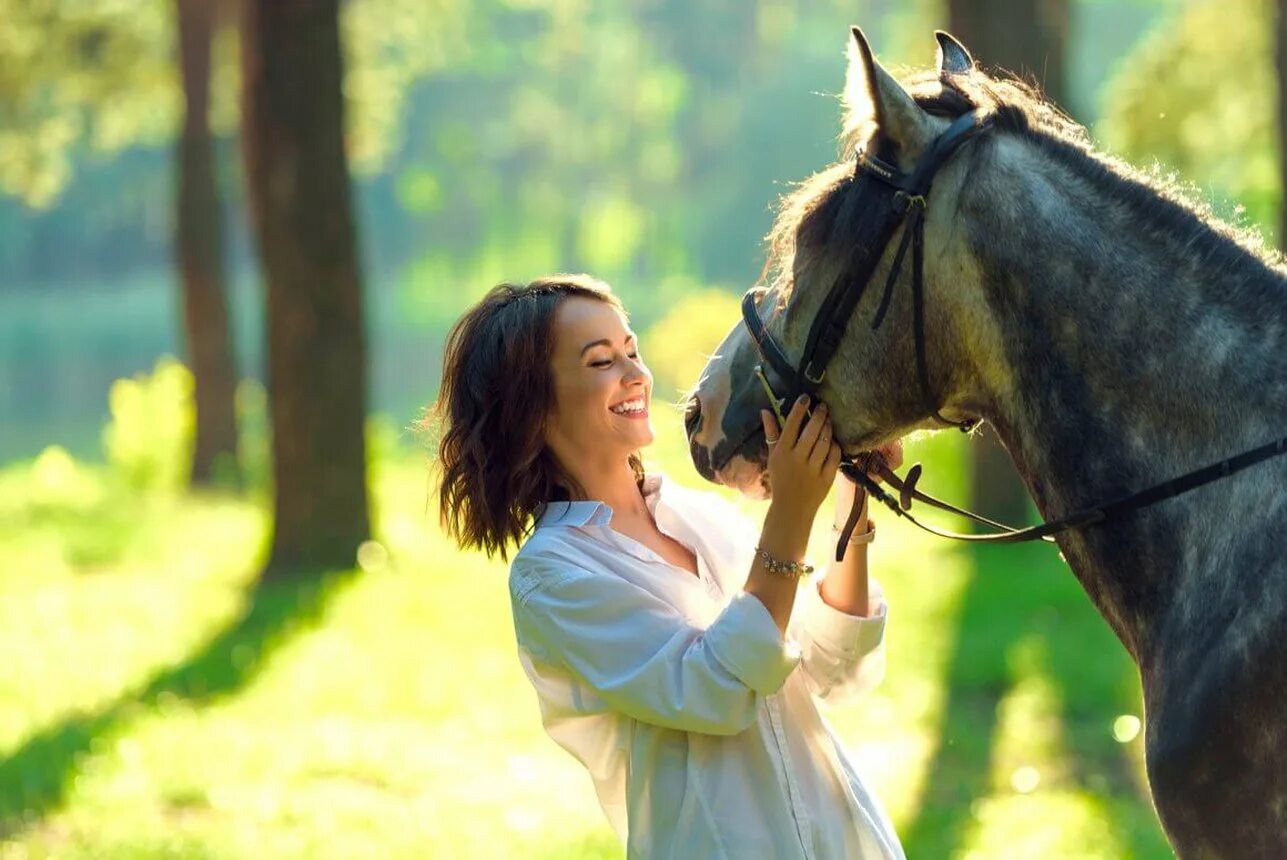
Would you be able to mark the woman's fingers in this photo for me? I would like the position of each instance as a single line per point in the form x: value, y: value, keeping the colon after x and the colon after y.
x: 813, y: 429
x: 822, y: 447
x: 771, y: 429
x: 832, y: 463
x: 791, y: 430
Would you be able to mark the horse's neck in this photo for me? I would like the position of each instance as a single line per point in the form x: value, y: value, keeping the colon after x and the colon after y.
x: 1135, y: 359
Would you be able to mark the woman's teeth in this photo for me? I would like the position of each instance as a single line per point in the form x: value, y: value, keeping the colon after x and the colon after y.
x: 630, y: 407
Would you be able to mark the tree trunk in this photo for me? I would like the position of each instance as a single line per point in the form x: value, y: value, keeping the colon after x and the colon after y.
x: 298, y: 186
x: 1025, y: 37
x: 199, y: 248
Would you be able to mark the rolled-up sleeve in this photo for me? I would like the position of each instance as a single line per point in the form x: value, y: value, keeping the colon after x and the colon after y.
x: 842, y: 655
x: 641, y: 656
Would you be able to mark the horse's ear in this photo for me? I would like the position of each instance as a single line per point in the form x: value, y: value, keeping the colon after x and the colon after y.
x: 875, y: 103
x: 953, y: 59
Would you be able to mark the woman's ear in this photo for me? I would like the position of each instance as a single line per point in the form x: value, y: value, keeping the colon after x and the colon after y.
x: 877, y: 105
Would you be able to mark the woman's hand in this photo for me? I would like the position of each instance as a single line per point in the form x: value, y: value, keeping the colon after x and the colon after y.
x: 803, y: 458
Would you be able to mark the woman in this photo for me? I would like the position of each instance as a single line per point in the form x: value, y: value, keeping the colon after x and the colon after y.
x: 658, y: 628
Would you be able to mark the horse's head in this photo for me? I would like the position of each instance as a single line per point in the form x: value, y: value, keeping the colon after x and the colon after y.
x: 824, y: 235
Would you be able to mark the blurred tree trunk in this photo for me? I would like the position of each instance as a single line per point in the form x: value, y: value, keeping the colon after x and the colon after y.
x: 1280, y: 62
x: 199, y: 247
x: 1026, y: 37
x: 298, y: 186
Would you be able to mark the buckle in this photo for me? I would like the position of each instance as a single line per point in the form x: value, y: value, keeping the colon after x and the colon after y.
x: 904, y: 202
x: 809, y: 376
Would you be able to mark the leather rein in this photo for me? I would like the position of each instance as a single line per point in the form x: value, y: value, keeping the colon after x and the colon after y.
x: 901, y: 198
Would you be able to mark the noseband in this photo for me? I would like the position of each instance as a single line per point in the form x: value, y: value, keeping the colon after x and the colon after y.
x: 901, y: 200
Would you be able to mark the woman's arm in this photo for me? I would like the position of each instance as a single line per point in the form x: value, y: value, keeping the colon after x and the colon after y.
x: 845, y: 586
x: 785, y: 536
x: 802, y: 463
x: 840, y: 625
x: 631, y: 652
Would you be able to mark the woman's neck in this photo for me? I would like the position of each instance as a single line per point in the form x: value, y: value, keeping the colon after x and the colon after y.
x: 613, y: 485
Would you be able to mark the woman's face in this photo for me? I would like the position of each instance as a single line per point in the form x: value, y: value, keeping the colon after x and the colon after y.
x: 602, y: 389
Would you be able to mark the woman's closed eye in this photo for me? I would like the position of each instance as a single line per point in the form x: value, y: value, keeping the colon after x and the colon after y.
x: 606, y: 362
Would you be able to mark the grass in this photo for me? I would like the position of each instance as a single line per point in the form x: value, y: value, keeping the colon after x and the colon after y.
x: 160, y: 703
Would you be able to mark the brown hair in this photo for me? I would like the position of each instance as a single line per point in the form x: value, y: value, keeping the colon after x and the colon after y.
x: 497, y: 389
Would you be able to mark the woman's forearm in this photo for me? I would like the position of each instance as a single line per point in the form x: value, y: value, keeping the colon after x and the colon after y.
x: 785, y: 536
x: 845, y: 586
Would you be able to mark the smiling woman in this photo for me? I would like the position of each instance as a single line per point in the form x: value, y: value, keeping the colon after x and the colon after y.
x: 659, y: 631
x: 497, y: 390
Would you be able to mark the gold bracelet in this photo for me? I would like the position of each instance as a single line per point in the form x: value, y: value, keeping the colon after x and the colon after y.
x: 860, y: 537
x: 792, y: 569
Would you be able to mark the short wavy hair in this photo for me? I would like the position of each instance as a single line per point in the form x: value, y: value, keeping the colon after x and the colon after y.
x: 497, y: 390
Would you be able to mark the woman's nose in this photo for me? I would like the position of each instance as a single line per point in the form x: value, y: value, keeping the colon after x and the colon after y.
x: 636, y: 371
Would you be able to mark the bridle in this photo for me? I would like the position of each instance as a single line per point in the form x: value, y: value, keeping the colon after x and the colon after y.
x: 900, y: 199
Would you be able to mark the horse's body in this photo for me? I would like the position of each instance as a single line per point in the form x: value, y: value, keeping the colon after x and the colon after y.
x: 1115, y: 336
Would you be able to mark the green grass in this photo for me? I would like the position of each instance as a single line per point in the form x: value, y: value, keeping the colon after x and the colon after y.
x: 159, y: 703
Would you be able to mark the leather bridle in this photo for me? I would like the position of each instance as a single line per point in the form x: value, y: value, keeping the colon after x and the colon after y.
x: 901, y: 198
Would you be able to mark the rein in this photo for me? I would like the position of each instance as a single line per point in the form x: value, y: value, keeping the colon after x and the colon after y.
x: 1085, y: 517
x: 904, y: 197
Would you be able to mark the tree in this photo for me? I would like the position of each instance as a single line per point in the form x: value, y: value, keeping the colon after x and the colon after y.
x: 298, y: 187
x: 1027, y: 38
x: 1198, y: 98
x: 199, y: 250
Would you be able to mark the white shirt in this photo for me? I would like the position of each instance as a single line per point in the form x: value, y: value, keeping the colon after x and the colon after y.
x: 695, y: 718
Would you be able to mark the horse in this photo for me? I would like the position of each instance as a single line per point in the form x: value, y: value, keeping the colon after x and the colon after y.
x: 1115, y: 334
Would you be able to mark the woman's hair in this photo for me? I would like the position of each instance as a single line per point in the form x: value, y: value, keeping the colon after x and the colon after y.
x: 497, y: 391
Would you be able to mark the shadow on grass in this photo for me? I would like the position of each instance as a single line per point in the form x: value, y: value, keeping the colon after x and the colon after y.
x: 35, y: 778
x: 1016, y: 592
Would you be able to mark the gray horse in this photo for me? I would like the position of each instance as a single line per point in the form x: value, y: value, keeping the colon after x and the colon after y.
x: 1116, y: 335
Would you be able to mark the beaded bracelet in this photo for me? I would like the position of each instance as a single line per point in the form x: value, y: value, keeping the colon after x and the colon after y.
x: 792, y: 569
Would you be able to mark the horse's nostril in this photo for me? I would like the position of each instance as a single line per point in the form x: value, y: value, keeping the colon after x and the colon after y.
x: 693, y: 415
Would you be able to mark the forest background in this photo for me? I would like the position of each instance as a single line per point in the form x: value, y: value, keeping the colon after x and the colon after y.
x: 192, y: 670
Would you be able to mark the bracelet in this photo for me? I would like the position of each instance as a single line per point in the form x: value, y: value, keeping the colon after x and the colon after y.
x: 860, y: 537
x: 792, y: 569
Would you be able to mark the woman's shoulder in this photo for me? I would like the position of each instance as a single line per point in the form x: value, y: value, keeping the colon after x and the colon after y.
x: 544, y: 560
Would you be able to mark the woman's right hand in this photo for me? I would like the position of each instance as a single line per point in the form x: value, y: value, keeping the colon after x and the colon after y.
x: 803, y: 459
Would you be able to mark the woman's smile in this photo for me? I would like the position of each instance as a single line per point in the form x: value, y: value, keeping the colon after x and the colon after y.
x: 635, y: 408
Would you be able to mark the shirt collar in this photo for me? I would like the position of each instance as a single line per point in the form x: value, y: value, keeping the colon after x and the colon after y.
x: 592, y: 512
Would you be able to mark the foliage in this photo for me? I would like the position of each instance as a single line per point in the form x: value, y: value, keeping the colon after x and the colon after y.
x: 636, y: 140
x: 102, y: 76
x: 389, y: 46
x: 677, y: 346
x: 150, y: 436
x: 72, y: 72
x: 1200, y: 96
x: 62, y: 515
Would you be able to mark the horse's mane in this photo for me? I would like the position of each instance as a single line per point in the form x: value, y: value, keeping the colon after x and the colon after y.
x: 810, y: 212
